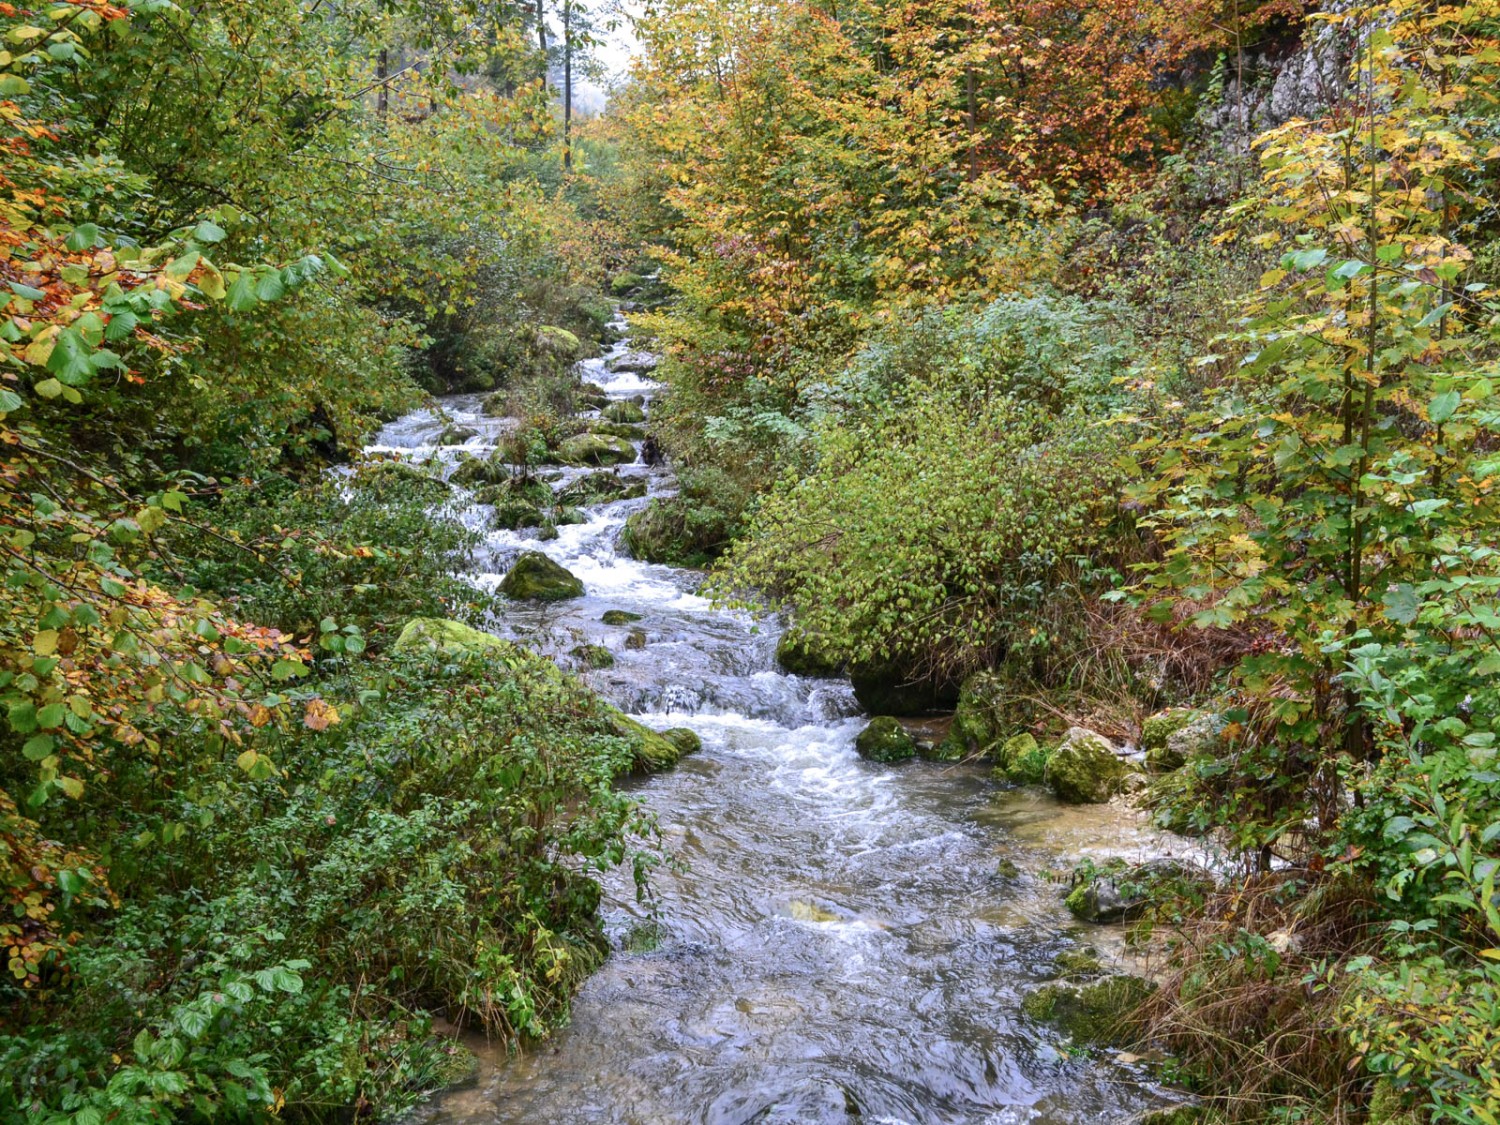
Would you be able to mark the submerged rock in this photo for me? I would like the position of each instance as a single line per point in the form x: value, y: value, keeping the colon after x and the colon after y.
x: 593, y: 656
x: 885, y: 740
x: 1084, y: 769
x: 535, y: 577
x: 595, y: 449
x: 1098, y: 1014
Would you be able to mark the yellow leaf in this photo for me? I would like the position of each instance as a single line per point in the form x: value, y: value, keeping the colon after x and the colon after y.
x: 45, y: 643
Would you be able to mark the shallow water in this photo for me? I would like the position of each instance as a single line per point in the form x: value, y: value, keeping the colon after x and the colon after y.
x: 843, y: 941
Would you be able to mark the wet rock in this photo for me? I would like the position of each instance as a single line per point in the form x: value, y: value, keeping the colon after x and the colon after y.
x: 1123, y: 896
x: 454, y: 434
x: 978, y: 723
x: 590, y: 396
x: 1159, y: 727
x: 1080, y: 963
x: 599, y: 488
x: 593, y: 656
x: 547, y: 532
x: 686, y: 741
x: 895, y: 687
x: 525, y: 489
x: 1098, y: 1014
x: 803, y: 656
x: 595, y: 449
x: 652, y: 752
x: 885, y: 740
x: 619, y: 617
x: 474, y: 471
x: 624, y: 412
x: 535, y: 577
x: 1084, y: 769
x: 568, y: 517
x: 1201, y: 737
x: 635, y: 363
x: 617, y: 429
x: 510, y: 515
x: 1021, y: 759
x: 636, y: 639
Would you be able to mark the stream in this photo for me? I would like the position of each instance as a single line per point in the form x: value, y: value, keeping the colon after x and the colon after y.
x: 844, y: 942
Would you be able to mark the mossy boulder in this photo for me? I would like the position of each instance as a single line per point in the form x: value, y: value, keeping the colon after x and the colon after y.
x: 636, y: 639
x: 1159, y: 727
x: 454, y: 434
x: 595, y: 449
x: 1080, y: 963
x: 636, y: 363
x: 802, y: 655
x: 568, y: 517
x: 978, y: 723
x: 617, y: 429
x: 1084, y: 769
x: 428, y: 634
x: 619, y: 617
x: 625, y: 283
x: 496, y: 405
x: 1099, y: 1014
x: 1021, y: 759
x: 593, y: 656
x: 686, y: 741
x: 558, y: 342
x: 511, y: 515
x: 476, y: 471
x: 591, y: 396
x: 654, y: 751
x: 535, y: 577
x: 392, y: 478
x: 1201, y: 737
x: 624, y: 412
x: 600, y: 488
x: 885, y: 740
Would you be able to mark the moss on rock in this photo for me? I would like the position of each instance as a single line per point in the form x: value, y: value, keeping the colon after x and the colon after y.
x: 978, y: 723
x: 624, y: 412
x: 535, y: 577
x: 686, y: 741
x: 593, y: 656
x: 595, y: 449
x: 885, y: 740
x: 1084, y: 769
x: 619, y: 617
x: 444, y: 634
x: 1098, y: 1014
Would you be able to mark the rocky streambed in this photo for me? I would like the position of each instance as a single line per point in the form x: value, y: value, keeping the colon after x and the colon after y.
x: 842, y: 939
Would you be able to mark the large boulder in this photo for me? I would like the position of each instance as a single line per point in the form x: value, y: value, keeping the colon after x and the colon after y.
x: 654, y: 751
x: 433, y: 634
x: 558, y: 342
x: 595, y: 449
x: 1099, y: 1014
x: 637, y: 363
x: 528, y: 489
x: 885, y: 740
x: 979, y: 724
x: 456, y: 434
x: 1084, y: 769
x: 1021, y: 759
x: 896, y: 687
x: 535, y: 577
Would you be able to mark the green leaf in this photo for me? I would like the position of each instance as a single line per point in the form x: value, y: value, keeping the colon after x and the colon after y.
x: 10, y: 402
x: 1442, y: 407
x: 83, y: 237
x: 242, y: 296
x: 70, y: 357
x: 38, y: 747
x: 209, y: 232
x: 270, y: 287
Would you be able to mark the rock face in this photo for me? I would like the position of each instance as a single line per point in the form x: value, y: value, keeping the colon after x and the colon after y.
x: 801, y: 656
x: 535, y: 577
x: 885, y: 740
x: 1084, y: 769
x: 1097, y: 1014
x: 595, y: 449
x: 896, y: 688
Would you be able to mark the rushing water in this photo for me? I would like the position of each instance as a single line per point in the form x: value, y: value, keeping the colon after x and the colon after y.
x: 844, y: 941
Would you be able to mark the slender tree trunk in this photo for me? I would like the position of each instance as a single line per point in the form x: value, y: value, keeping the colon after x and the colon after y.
x: 382, y: 72
x: 568, y: 85
x: 541, y: 35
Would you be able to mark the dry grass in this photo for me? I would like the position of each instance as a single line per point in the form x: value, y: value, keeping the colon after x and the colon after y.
x: 1247, y: 1007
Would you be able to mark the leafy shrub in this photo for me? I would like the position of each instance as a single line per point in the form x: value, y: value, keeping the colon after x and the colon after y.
x: 692, y: 528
